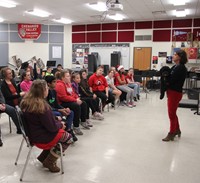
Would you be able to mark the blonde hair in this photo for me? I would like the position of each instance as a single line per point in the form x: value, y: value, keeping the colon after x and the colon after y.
x: 34, y: 101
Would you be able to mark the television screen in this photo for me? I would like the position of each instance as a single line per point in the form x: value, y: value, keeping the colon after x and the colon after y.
x: 51, y: 63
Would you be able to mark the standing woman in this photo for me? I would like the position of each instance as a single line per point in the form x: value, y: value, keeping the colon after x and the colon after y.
x: 174, y: 92
x: 44, y: 131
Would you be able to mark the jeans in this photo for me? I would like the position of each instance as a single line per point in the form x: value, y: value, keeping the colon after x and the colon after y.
x: 69, y: 118
x: 135, y: 87
x: 10, y: 111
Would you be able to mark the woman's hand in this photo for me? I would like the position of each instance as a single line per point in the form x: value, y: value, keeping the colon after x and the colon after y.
x: 2, y: 107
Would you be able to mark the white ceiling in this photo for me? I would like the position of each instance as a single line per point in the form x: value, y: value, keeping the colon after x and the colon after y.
x: 76, y: 10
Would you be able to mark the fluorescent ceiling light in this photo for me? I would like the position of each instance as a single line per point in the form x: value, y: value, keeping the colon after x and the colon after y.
x: 116, y: 17
x: 8, y: 4
x: 179, y: 2
x: 99, y: 6
x: 63, y: 21
x: 39, y: 13
x: 1, y: 19
x: 180, y: 13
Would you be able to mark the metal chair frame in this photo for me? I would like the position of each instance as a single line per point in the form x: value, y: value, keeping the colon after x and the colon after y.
x: 29, y: 144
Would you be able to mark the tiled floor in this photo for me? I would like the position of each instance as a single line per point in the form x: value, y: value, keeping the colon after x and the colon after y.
x: 124, y: 148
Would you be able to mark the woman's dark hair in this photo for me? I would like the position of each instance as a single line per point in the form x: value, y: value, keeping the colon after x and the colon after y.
x: 183, y: 56
x: 23, y: 75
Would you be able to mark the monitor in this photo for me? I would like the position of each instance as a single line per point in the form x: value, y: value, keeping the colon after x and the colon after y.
x: 51, y: 63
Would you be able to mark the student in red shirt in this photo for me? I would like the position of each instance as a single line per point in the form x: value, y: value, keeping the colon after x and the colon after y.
x: 99, y: 86
x: 120, y: 83
x: 68, y: 98
x: 132, y: 84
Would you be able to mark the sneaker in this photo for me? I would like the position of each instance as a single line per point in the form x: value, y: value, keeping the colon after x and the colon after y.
x: 89, y: 123
x: 73, y: 135
x: 78, y: 131
x: 69, y: 139
x: 138, y: 96
x: 84, y: 125
x: 132, y: 103
x: 97, y: 116
x: 135, y: 99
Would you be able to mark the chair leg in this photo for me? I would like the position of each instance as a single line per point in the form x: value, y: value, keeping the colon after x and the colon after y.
x: 25, y: 165
x: 19, y: 152
x: 61, y: 158
x: 10, y: 124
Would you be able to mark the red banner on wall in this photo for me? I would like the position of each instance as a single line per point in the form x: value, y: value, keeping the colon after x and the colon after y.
x: 29, y: 31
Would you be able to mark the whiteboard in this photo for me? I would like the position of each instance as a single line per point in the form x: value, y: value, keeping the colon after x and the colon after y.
x: 105, y: 51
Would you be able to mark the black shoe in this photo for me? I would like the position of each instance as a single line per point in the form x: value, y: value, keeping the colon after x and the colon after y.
x: 1, y: 143
x: 138, y: 97
x: 135, y: 99
x: 73, y: 135
x: 169, y: 137
x: 178, y: 133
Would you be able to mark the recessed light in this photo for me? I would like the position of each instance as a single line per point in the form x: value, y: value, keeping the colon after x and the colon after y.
x: 179, y: 2
x: 99, y: 6
x: 180, y: 13
x: 8, y: 4
x: 38, y: 12
x: 63, y: 20
x: 116, y: 16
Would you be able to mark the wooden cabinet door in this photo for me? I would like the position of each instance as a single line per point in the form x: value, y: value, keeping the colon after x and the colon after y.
x: 142, y: 58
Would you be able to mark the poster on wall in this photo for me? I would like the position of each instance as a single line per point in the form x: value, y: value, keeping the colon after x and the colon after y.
x: 155, y: 59
x: 192, y: 53
x: 169, y: 60
x: 29, y: 31
x: 80, y: 55
x: 162, y: 54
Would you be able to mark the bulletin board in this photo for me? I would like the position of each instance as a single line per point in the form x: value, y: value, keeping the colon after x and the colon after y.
x: 105, y: 51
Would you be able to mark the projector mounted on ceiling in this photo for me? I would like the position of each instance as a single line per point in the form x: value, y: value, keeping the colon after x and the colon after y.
x: 115, y: 6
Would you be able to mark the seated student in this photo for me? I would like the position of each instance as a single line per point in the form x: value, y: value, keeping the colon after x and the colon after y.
x: 59, y: 68
x: 49, y: 71
x: 85, y: 92
x: 99, y: 86
x: 112, y: 89
x: 10, y: 111
x: 68, y: 98
x: 57, y: 109
x: 44, y: 131
x: 89, y: 100
x: 120, y: 83
x: 37, y: 72
x: 26, y: 82
x: 132, y: 84
x: 9, y: 89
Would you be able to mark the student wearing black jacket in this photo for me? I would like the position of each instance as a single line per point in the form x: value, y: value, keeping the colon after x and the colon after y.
x: 9, y: 89
x: 57, y: 109
x: 174, y: 92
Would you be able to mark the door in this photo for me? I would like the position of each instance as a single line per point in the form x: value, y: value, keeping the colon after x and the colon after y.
x: 142, y: 58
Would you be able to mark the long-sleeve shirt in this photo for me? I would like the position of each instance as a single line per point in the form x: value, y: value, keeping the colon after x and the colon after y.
x: 65, y: 92
x: 25, y: 85
x: 52, y: 100
x: 42, y: 128
x: 177, y: 77
x: 97, y: 83
x: 7, y: 93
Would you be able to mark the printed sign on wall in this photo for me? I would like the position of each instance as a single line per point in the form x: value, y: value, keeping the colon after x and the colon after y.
x: 29, y: 31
